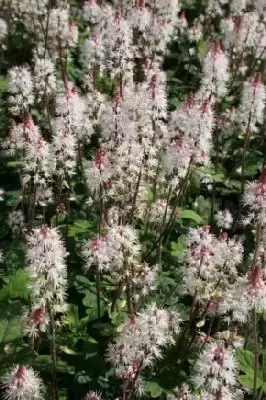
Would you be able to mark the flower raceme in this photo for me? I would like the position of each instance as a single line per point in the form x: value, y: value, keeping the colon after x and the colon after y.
x: 22, y: 383
x: 141, y: 341
x: 215, y: 373
x: 46, y: 257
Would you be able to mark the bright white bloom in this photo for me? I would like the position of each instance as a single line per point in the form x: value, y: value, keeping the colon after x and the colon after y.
x: 2, y: 194
x: 3, y: 29
x: 23, y: 383
x: 160, y: 212
x: 244, y: 34
x: 37, y: 7
x: 141, y: 341
x: 46, y: 258
x: 252, y: 103
x: 141, y: 16
x: 96, y: 254
x: 192, y: 124
x: 98, y: 172
x: 215, y: 74
x: 178, y: 157
x: 20, y: 90
x: 92, y: 53
x: 58, y: 24
x: 144, y: 279
x: 215, y: 372
x: 212, y: 263
x: 93, y: 396
x: 247, y: 293
x: 255, y: 199
x: 44, y: 77
x: 72, y: 114
x: 118, y: 45
x: 21, y: 134
x: 92, y: 12
x: 238, y: 6
x: 224, y: 219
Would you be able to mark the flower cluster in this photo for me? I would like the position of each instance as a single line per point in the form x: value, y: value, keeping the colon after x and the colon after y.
x: 140, y: 343
x: 46, y: 257
x: 23, y: 383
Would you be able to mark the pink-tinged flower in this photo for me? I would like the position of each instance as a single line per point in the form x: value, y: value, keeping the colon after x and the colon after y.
x: 61, y: 208
x: 73, y: 34
x: 93, y: 396
x: 98, y: 171
x: 244, y: 34
x: 224, y: 219
x: 36, y: 321
x: 255, y: 198
x: 144, y: 278
x: 46, y: 257
x: 159, y: 212
x: 237, y: 7
x: 211, y: 265
x: 215, y: 71
x: 118, y: 41
x: 252, y: 103
x: 23, y: 383
x: 92, y: 12
x: 141, y: 341
x: 44, y: 77
x: 215, y: 371
x: 92, y: 53
x: 193, y: 123
x: 20, y: 90
x: 96, y: 254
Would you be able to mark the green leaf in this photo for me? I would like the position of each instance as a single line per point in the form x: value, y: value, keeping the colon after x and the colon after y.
x: 202, y: 47
x: 16, y: 286
x: 72, y: 317
x: 11, y: 323
x: 12, y: 197
x: 248, y: 380
x: 14, y: 164
x: 189, y: 214
x: 79, y: 226
x: 153, y: 389
x: 44, y: 363
x: 264, y: 365
x: 3, y: 84
x: 68, y: 351
x: 179, y: 247
x: 245, y: 360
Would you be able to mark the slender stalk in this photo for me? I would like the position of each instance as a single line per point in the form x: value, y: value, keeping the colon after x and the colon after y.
x: 98, y: 276
x: 53, y: 353
x: 256, y: 353
x: 135, y: 195
x: 165, y: 232
x: 98, y: 294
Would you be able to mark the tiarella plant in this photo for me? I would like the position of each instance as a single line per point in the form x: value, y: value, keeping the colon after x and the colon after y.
x: 133, y: 197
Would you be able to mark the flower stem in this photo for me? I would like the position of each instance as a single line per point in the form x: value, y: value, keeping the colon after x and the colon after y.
x: 256, y: 352
x: 53, y: 354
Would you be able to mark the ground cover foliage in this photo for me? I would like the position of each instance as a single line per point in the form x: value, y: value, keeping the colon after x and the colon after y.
x: 133, y: 199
